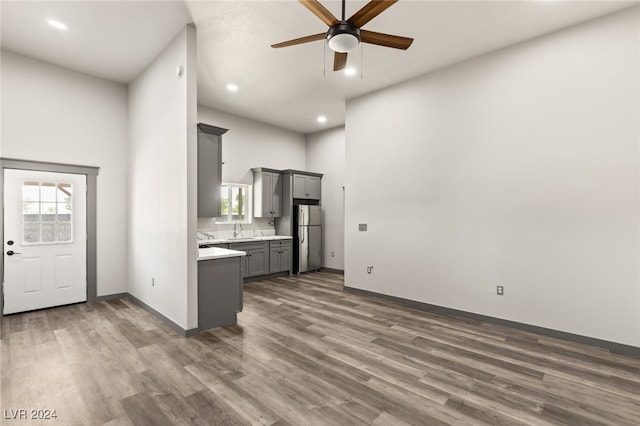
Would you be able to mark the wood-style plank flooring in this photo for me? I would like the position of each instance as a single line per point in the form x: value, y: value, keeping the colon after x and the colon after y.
x: 306, y: 353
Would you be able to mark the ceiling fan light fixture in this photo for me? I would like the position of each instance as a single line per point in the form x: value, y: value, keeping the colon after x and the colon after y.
x: 343, y: 37
x: 57, y: 24
x: 350, y: 71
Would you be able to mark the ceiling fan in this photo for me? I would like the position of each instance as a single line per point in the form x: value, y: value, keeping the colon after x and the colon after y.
x: 344, y: 35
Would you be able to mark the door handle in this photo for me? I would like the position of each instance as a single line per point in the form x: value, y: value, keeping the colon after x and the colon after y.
x: 11, y: 253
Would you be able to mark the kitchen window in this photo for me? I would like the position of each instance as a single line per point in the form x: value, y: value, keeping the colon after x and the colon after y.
x: 236, y: 203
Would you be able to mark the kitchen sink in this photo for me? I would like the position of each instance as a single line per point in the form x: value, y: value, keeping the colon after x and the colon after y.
x: 243, y: 239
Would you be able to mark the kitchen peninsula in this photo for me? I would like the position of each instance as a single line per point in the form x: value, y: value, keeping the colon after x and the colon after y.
x: 220, y: 285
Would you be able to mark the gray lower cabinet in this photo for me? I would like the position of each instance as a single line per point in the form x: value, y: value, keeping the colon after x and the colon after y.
x: 279, y: 256
x: 219, y: 291
x: 256, y: 262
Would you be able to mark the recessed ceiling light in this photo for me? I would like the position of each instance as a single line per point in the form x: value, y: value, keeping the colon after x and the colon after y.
x: 350, y: 71
x: 232, y: 87
x: 322, y: 119
x: 57, y: 24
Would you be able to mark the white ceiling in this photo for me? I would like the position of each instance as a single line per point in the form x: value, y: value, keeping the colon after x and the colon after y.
x: 286, y: 87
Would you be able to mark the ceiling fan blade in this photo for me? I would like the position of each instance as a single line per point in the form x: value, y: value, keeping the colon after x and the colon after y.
x: 370, y: 11
x: 320, y: 11
x: 339, y: 61
x: 386, y: 40
x: 300, y: 40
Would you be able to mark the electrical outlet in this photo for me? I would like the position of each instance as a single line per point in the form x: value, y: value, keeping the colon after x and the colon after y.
x: 153, y: 282
x: 500, y: 290
x: 333, y: 254
x: 369, y: 269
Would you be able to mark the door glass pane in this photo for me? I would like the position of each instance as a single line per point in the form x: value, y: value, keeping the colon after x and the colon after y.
x: 48, y: 192
x: 31, y: 233
x: 48, y: 212
x: 64, y: 193
x: 64, y: 232
x: 30, y: 191
x: 64, y: 202
x: 30, y: 212
x: 48, y: 232
x: 64, y: 212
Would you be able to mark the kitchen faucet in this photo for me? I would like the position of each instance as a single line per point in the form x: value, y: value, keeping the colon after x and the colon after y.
x: 235, y: 231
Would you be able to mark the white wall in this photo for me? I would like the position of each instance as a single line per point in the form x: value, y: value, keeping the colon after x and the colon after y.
x: 249, y: 144
x: 162, y: 131
x: 326, y: 154
x: 519, y: 168
x: 56, y: 115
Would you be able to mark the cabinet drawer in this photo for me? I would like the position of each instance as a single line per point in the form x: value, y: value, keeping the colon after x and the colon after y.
x: 253, y: 245
x: 279, y: 243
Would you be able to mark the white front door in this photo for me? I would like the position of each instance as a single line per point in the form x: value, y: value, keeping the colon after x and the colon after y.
x: 45, y: 239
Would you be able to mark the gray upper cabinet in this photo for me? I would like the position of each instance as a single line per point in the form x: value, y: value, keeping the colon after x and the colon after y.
x: 209, y: 169
x: 267, y: 193
x: 306, y: 187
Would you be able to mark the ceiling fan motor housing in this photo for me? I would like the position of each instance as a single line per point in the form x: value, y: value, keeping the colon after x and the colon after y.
x: 343, y: 37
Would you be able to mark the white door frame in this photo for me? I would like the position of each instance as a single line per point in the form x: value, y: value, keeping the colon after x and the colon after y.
x: 91, y: 174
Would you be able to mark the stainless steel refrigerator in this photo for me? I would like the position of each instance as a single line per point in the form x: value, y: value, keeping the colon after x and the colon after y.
x: 309, y: 238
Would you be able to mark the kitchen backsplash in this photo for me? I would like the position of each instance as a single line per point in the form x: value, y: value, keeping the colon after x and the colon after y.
x: 258, y: 228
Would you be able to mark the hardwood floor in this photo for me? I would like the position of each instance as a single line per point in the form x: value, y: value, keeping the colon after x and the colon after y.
x: 305, y: 353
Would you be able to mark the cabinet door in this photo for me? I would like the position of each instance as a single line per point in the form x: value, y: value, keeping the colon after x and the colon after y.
x: 267, y: 194
x: 267, y: 200
x: 209, y: 174
x: 313, y: 187
x: 257, y: 262
x: 274, y: 260
x: 262, y: 198
x: 299, y: 186
x: 276, y: 195
x: 285, y: 258
x: 306, y: 187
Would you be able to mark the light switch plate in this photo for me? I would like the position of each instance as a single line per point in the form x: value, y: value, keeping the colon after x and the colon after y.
x: 362, y: 227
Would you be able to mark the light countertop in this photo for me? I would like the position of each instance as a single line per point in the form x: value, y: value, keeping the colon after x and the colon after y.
x: 217, y: 253
x: 244, y: 239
